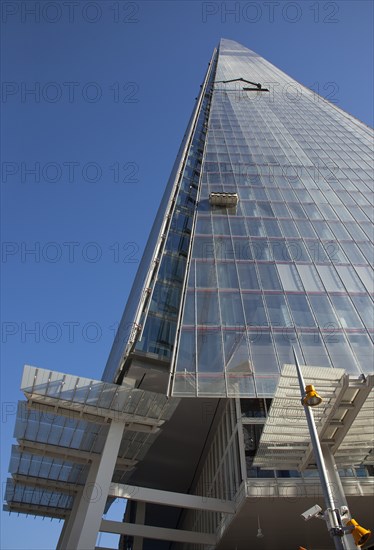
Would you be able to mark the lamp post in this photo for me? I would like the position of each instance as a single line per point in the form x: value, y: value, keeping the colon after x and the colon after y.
x: 343, y: 540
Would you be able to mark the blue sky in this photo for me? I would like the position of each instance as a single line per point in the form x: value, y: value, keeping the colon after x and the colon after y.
x: 114, y: 84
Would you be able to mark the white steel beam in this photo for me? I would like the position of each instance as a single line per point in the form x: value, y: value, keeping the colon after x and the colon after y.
x: 158, y: 533
x: 169, y: 498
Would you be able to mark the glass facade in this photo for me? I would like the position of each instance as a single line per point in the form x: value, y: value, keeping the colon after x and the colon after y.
x: 290, y: 265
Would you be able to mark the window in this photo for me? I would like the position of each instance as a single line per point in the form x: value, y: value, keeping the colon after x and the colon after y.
x: 300, y: 310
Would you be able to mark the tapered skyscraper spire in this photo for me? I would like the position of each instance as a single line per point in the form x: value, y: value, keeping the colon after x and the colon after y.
x: 226, y: 289
x: 260, y: 253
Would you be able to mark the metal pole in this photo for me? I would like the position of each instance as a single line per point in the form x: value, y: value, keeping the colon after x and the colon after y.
x: 336, y: 529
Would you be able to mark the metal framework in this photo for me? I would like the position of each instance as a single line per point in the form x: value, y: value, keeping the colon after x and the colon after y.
x: 77, y: 441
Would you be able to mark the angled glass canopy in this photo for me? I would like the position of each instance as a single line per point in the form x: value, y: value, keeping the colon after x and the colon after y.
x: 344, y: 420
x: 62, y: 428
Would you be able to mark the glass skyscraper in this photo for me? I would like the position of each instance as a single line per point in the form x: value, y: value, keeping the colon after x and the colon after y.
x: 262, y: 244
x: 225, y: 290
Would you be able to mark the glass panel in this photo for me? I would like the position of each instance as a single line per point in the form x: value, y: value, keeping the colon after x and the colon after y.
x: 166, y: 298
x: 289, y: 228
x: 278, y: 311
x: 172, y: 268
x: 189, y: 309
x: 231, y: 308
x: 272, y: 228
x: 224, y: 248
x: 314, y: 350
x: 345, y: 312
x: 264, y: 209
x: 209, y: 350
x: 187, y: 352
x: 227, y: 276
x: 350, y: 278
x: 368, y: 250
x: 330, y: 278
x: 324, y: 313
x: 310, y: 278
x: 256, y: 228
x: 236, y: 352
x: 242, y: 249
x: 363, y: 350
x: 340, y: 231
x: 206, y: 275
x: 365, y: 307
x: 262, y: 350
x: 207, y: 308
x: 284, y: 342
x: 296, y: 210
x: 300, y: 310
x: 247, y: 276
x: 204, y: 225
x: 238, y: 226
x: 220, y: 225
x: 367, y: 277
x: 261, y: 249
x: 203, y: 248
x: 334, y: 252
x: 158, y: 336
x: 254, y: 310
x: 340, y: 353
x: 353, y: 253
x: 317, y: 252
x: 323, y: 230
x: 289, y: 277
x: 268, y: 277
x: 306, y: 229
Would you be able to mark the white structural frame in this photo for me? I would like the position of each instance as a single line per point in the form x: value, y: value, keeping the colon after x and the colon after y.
x: 85, y: 520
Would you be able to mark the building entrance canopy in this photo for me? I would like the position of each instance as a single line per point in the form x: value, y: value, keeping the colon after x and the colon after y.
x: 62, y: 428
x: 344, y: 420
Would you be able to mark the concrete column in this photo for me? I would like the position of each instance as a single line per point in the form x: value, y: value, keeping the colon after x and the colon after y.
x: 139, y: 520
x: 86, y: 521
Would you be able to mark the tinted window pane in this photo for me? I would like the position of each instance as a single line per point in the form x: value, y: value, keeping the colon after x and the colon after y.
x: 300, y: 310
x: 254, y: 310
x: 365, y: 307
x: 278, y: 310
x: 247, y: 276
x: 314, y: 350
x: 268, y: 277
x: 227, y: 276
x: 345, y: 312
x: 209, y: 350
x: 330, y: 278
x: 289, y: 277
x: 340, y: 353
x: 310, y: 278
x: 323, y: 311
x: 207, y: 308
x: 231, y: 308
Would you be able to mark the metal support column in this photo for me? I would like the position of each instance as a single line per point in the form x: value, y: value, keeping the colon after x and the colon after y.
x: 139, y: 520
x: 69, y: 522
x: 342, y: 541
x: 88, y: 516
